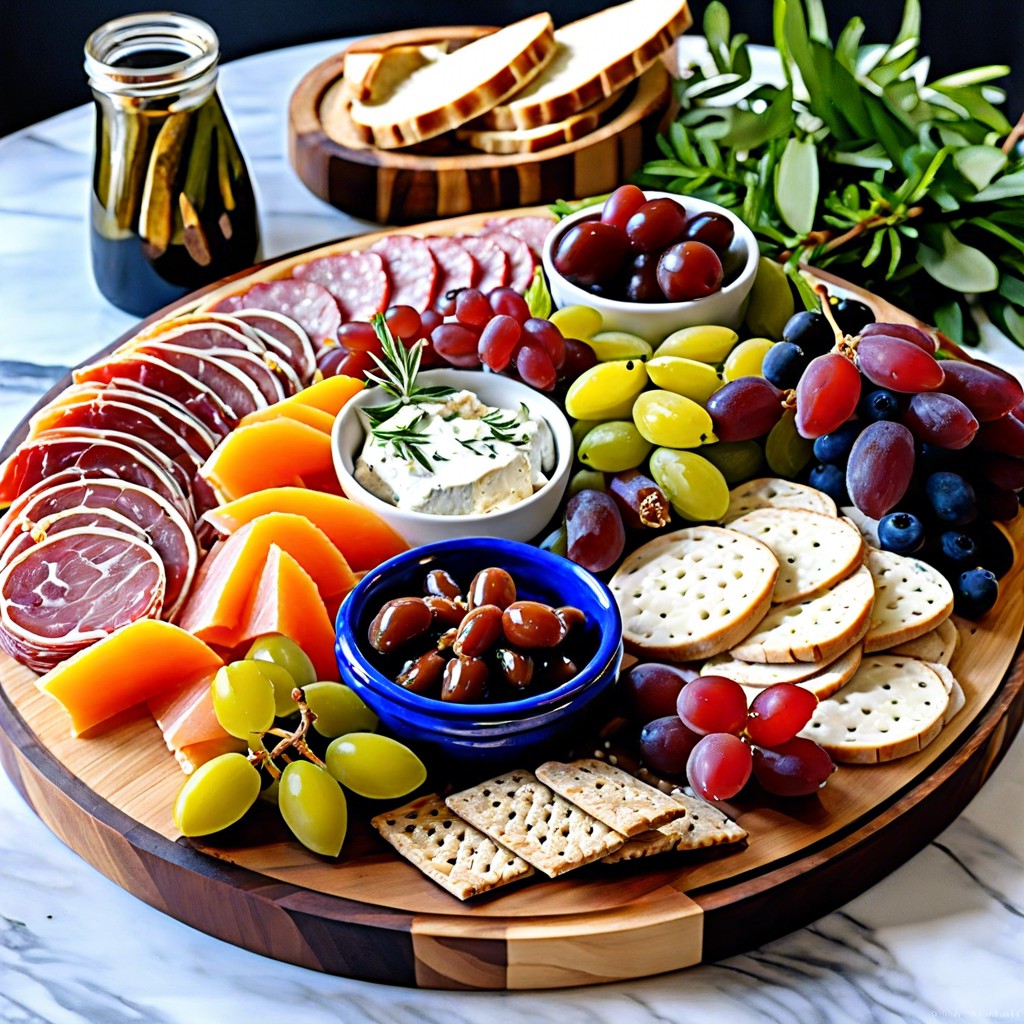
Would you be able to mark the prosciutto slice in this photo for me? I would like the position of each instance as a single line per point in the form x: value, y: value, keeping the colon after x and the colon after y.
x: 289, y: 337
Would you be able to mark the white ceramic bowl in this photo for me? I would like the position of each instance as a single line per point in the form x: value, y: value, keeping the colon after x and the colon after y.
x: 654, y: 321
x: 520, y: 522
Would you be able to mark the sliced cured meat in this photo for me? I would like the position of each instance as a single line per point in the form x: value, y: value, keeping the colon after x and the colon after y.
x: 287, y: 336
x: 157, y: 376
x: 87, y: 457
x: 412, y: 271
x: 262, y: 370
x: 521, y: 260
x: 202, y: 334
x: 357, y: 280
x: 532, y: 230
x: 70, y: 519
x: 163, y: 524
x: 302, y: 300
x: 492, y: 261
x: 73, y: 589
x: 457, y: 269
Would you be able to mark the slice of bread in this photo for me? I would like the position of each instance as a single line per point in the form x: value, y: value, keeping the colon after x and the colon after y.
x: 371, y: 76
x: 460, y: 86
x: 595, y: 57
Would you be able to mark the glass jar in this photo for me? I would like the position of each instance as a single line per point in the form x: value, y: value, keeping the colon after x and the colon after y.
x: 172, y: 202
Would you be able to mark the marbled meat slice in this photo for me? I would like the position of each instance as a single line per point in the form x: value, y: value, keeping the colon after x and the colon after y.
x: 168, y: 532
x: 261, y: 370
x: 521, y: 260
x: 532, y: 230
x: 73, y: 589
x: 357, y: 280
x: 456, y: 268
x: 412, y: 271
x: 74, y: 518
x: 154, y: 374
x: 492, y: 261
x: 303, y: 301
x: 202, y: 334
x: 288, y: 336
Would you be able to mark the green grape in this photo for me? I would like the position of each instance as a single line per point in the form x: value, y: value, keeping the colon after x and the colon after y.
x: 613, y: 447
x: 243, y: 698
x: 581, y: 428
x: 338, y: 709
x: 283, y: 684
x: 216, y: 795
x: 557, y: 541
x: 608, y: 345
x: 695, y: 488
x: 746, y: 358
x: 586, y: 480
x: 313, y: 806
x: 737, y: 460
x: 672, y: 421
x: 785, y: 450
x: 771, y: 300
x: 375, y: 766
x: 707, y: 344
x: 269, y: 793
x: 686, y: 377
x: 606, y: 391
x: 284, y: 651
x: 580, y: 322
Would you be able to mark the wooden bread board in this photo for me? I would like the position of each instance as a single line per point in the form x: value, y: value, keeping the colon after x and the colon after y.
x: 439, y: 179
x: 371, y: 915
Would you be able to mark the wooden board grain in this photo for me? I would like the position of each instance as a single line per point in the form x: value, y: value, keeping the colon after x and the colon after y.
x: 373, y: 916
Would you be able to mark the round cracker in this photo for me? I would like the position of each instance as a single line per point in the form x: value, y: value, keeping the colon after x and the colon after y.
x: 693, y: 593
x: 774, y: 492
x: 937, y: 645
x: 814, y: 551
x: 823, y: 683
x: 911, y: 599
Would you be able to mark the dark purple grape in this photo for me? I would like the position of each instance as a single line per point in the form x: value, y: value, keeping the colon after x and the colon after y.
x: 650, y: 689
x: 798, y: 767
x: 940, y: 419
x: 745, y: 408
x: 988, y: 391
x: 596, y: 536
x: 852, y: 316
x: 689, y: 270
x: 642, y: 279
x: 590, y: 253
x: 880, y: 467
x: 665, y: 745
x: 713, y: 229
x: 1005, y: 435
x: 656, y: 225
x: 905, y: 331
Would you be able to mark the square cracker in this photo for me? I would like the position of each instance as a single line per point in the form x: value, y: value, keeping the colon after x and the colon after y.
x: 520, y: 812
x: 449, y: 850
x: 611, y: 795
x: 701, y: 824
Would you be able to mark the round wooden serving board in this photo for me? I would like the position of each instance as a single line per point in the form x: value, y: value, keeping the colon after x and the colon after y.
x: 439, y: 179
x: 371, y: 915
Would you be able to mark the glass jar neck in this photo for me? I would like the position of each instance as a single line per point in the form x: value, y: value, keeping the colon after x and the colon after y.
x: 153, y: 57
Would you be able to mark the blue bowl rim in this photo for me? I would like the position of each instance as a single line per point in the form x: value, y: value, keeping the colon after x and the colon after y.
x: 610, y: 632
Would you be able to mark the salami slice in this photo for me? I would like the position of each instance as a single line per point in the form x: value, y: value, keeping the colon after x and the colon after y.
x: 493, y: 263
x: 73, y: 589
x: 287, y: 336
x: 532, y: 230
x: 412, y: 271
x: 302, y: 300
x: 164, y: 526
x: 457, y: 269
x: 520, y: 258
x: 156, y: 375
x: 357, y: 280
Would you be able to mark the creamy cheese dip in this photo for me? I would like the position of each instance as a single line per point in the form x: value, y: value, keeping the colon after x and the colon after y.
x: 472, y: 472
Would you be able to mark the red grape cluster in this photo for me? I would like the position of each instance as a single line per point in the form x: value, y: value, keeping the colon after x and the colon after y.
x: 702, y: 726
x: 646, y: 250
x: 494, y: 329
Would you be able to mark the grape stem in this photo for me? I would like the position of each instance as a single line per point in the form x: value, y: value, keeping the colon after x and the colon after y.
x: 289, y: 740
x: 845, y: 345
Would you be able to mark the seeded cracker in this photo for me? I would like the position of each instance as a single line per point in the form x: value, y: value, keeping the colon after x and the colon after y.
x: 911, y: 599
x: 611, y: 795
x: 701, y: 824
x: 518, y: 811
x: 449, y: 850
x: 823, y: 684
x: 773, y: 492
x: 938, y: 646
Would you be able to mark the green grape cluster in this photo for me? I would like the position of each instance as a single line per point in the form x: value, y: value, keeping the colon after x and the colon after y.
x: 257, y: 700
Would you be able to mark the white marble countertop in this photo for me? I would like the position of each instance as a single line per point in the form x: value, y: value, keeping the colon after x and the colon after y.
x: 941, y: 938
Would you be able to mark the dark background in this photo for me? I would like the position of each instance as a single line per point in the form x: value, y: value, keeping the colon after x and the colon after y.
x: 41, y: 42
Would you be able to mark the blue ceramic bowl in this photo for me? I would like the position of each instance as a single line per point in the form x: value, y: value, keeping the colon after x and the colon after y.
x: 493, y: 733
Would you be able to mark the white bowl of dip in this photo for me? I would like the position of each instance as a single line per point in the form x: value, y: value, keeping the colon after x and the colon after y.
x: 522, y: 521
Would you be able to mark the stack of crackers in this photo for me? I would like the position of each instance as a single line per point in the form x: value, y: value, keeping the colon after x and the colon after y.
x: 788, y: 590
x: 556, y: 820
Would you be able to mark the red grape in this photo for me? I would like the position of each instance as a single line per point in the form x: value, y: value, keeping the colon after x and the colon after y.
x: 719, y: 766
x: 549, y: 336
x: 535, y: 366
x: 641, y: 501
x: 826, y: 395
x: 905, y: 331
x: 472, y: 308
x: 898, y: 365
x: 1005, y: 435
x: 713, y: 704
x: 650, y: 689
x: 428, y: 355
x: 336, y: 361
x: 509, y: 302
x: 656, y: 225
x: 798, y: 767
x: 714, y: 229
x: 595, y: 534
x: 745, y: 408
x: 665, y: 745
x: 988, y: 391
x: 498, y: 339
x: 778, y: 713
x: 359, y: 336
x: 880, y: 466
x: 621, y: 205
x: 429, y: 319
x: 457, y: 344
x: 689, y: 270
x: 404, y: 322
x: 940, y: 419
x: 590, y: 253
x: 579, y: 356
x: 642, y: 280
x: 1005, y: 472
